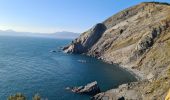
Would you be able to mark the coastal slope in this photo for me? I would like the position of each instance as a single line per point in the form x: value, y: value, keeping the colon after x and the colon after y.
x: 138, y: 39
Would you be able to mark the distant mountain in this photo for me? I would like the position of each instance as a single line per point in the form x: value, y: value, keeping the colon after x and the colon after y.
x: 63, y: 34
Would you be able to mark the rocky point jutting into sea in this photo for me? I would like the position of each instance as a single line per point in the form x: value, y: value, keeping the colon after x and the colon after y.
x: 138, y: 39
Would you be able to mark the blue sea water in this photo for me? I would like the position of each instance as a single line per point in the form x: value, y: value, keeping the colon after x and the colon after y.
x: 27, y: 66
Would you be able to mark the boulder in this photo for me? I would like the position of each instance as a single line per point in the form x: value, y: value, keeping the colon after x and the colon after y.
x: 89, y: 89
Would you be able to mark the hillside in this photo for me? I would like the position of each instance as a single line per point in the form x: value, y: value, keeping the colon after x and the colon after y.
x: 138, y: 39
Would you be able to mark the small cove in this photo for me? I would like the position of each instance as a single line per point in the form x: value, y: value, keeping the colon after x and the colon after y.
x: 28, y: 66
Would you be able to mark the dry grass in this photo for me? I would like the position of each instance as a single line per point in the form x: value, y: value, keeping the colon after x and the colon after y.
x: 160, y: 85
x: 124, y: 43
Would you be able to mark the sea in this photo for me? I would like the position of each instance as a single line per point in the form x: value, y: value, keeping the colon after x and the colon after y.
x: 28, y: 66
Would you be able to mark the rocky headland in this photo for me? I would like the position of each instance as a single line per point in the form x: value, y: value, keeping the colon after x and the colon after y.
x: 138, y: 39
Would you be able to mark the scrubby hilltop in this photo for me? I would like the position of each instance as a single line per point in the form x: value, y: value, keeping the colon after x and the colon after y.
x: 138, y: 39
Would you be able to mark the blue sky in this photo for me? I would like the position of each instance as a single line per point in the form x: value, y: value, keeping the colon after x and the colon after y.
x: 47, y: 16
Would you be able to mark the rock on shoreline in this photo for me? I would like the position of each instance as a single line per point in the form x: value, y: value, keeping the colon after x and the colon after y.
x: 89, y: 89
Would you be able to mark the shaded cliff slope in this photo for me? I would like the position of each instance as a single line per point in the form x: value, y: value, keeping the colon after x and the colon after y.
x: 138, y: 39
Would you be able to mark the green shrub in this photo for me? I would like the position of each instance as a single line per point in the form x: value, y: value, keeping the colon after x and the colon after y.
x: 20, y: 96
x: 17, y: 96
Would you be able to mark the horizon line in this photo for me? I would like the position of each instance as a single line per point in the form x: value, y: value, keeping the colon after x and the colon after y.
x: 36, y: 32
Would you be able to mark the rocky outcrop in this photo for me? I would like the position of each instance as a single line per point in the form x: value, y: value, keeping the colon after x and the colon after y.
x: 123, y: 92
x: 89, y: 89
x: 87, y: 40
x: 138, y: 39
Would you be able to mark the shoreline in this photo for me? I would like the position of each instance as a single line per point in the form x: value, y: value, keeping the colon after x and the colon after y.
x: 136, y: 73
x: 139, y: 75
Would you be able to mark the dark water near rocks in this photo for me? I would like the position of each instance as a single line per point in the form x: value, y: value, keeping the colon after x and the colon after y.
x: 27, y: 66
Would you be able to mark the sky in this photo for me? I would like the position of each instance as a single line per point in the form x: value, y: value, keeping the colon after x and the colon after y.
x: 48, y: 16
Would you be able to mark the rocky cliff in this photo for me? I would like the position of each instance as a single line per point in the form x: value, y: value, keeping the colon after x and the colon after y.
x: 138, y: 39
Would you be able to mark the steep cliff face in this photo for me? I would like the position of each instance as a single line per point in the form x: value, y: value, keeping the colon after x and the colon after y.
x: 138, y: 39
x: 86, y: 40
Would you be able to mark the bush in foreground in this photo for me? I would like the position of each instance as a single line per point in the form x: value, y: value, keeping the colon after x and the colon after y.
x: 17, y: 96
x: 20, y: 96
